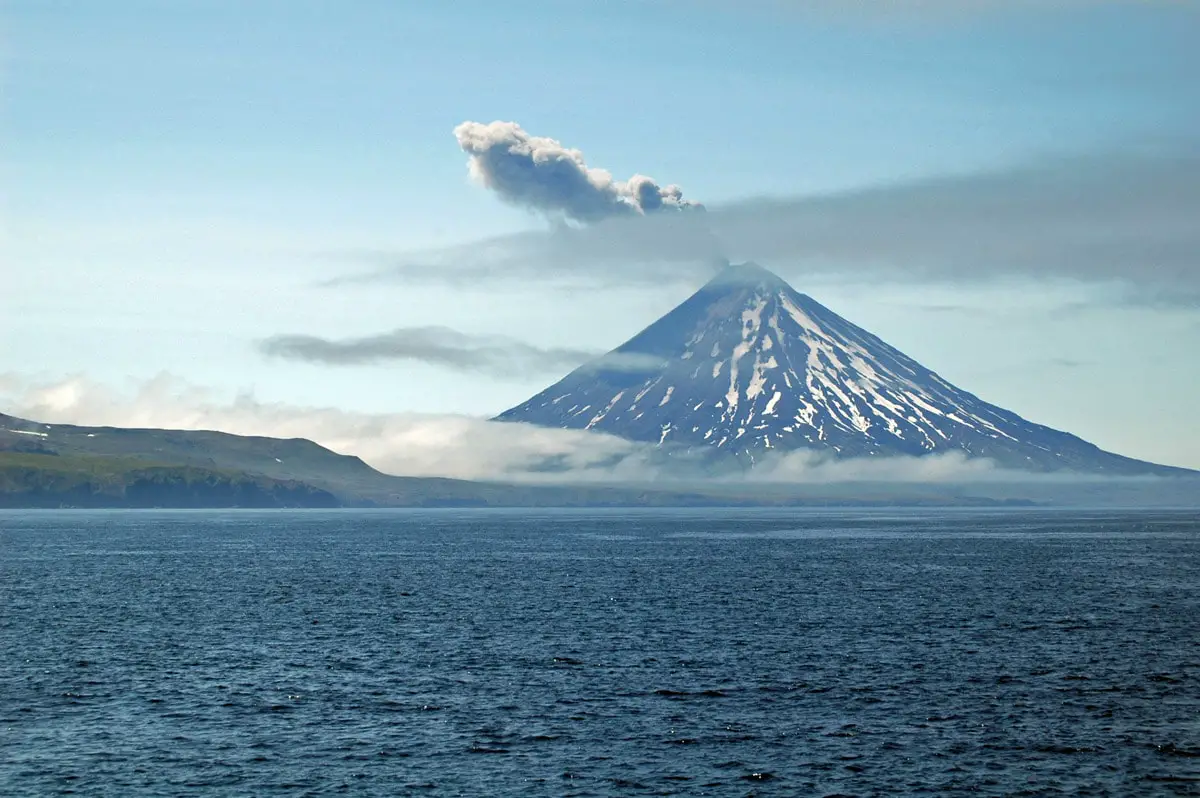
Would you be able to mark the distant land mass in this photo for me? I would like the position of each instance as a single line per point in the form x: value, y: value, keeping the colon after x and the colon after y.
x: 745, y: 370
x: 46, y: 480
x: 748, y: 368
x: 47, y: 465
x: 65, y: 466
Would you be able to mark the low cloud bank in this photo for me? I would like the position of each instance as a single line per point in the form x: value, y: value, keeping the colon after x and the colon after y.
x: 808, y: 466
x: 464, y: 447
x: 406, y: 444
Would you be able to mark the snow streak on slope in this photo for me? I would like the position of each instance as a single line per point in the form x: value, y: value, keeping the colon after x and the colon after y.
x: 749, y: 366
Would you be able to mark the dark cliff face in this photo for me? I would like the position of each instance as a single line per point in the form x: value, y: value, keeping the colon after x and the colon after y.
x: 748, y: 366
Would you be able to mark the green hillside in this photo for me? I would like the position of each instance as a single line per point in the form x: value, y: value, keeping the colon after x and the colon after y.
x: 51, y: 480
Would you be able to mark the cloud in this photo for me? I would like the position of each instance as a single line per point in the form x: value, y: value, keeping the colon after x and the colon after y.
x: 494, y: 355
x: 627, y: 362
x: 1123, y: 221
x: 406, y: 444
x: 540, y: 173
x: 808, y: 467
x: 1069, y: 363
x: 443, y: 445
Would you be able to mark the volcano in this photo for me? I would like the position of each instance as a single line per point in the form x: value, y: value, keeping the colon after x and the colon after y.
x: 748, y: 367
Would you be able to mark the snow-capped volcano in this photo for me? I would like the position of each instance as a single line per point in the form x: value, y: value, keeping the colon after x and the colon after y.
x: 747, y: 365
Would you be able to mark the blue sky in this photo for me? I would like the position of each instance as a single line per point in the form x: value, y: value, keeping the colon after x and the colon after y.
x: 177, y: 178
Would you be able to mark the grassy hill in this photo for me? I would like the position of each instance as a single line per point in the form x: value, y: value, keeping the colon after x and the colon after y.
x: 51, y: 480
x: 59, y: 464
x: 112, y: 454
x: 51, y: 465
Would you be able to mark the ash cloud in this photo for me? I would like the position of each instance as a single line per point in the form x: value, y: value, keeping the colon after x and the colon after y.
x: 540, y: 173
x: 494, y: 355
x: 1122, y: 220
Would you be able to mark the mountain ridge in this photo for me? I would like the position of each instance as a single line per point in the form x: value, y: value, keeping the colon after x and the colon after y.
x: 749, y: 366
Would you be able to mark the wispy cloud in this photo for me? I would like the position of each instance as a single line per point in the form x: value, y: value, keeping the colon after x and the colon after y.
x: 1068, y: 363
x: 494, y: 355
x: 1124, y: 219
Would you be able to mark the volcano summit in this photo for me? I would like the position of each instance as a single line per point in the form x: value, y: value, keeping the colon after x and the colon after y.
x: 748, y: 366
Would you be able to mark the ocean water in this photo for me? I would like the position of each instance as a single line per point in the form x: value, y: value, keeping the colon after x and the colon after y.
x: 600, y: 653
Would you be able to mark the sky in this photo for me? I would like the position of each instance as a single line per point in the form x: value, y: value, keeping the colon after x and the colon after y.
x: 192, y: 189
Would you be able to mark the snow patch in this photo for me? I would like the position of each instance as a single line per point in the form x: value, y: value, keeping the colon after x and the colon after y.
x: 774, y: 400
x: 600, y: 416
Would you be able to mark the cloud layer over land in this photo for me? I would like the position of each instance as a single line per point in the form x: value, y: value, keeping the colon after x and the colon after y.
x: 422, y: 444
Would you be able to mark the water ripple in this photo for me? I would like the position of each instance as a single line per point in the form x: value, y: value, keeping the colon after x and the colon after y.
x: 599, y: 653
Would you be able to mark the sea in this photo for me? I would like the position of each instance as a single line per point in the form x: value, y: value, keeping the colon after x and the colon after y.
x: 800, y: 652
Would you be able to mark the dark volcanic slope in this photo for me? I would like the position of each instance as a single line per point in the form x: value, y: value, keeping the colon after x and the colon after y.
x: 748, y: 366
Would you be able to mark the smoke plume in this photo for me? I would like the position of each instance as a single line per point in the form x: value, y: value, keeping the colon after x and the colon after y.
x: 1122, y: 219
x: 540, y: 173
